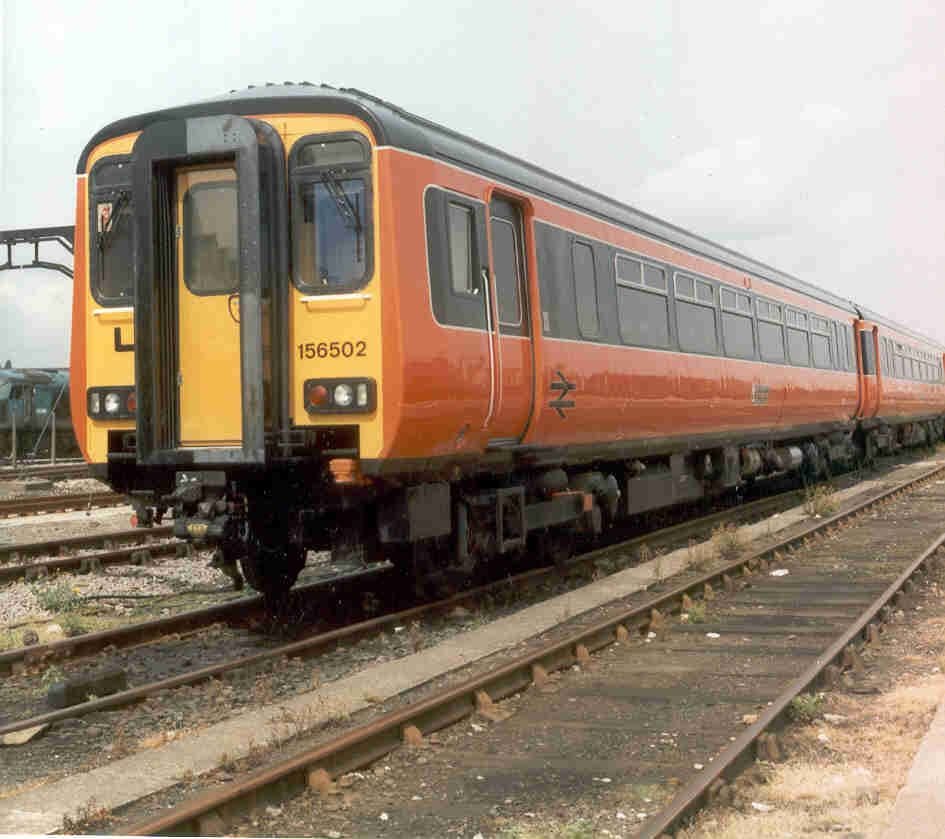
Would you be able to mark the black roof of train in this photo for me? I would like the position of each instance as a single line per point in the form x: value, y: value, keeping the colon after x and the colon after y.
x: 393, y: 126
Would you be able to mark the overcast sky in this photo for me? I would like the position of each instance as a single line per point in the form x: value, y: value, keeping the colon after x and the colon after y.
x: 810, y: 135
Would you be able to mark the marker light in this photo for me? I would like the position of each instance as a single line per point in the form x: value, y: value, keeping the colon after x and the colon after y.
x: 131, y: 403
x: 95, y: 403
x: 362, y: 398
x: 318, y: 395
x: 343, y: 395
x: 112, y: 403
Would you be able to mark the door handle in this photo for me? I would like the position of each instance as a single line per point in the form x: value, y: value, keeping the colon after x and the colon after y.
x: 229, y: 306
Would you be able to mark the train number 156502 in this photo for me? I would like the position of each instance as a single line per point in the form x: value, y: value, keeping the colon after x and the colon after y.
x: 332, y: 349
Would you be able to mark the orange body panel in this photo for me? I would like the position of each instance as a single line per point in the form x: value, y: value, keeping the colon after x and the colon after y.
x: 438, y: 378
x: 77, y: 365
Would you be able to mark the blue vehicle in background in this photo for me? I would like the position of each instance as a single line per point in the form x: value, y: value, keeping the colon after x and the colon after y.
x: 35, y: 420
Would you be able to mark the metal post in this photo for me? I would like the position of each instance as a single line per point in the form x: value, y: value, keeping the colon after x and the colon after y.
x: 13, y: 430
x: 52, y: 439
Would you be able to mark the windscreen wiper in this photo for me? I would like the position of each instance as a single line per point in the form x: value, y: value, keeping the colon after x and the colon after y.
x: 106, y: 235
x: 350, y: 213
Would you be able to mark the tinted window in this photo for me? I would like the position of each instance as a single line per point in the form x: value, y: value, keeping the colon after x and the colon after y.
x: 331, y: 214
x: 629, y: 270
x: 868, y: 353
x: 738, y: 336
x: 508, y: 273
x: 654, y: 277
x: 333, y: 153
x: 685, y: 286
x: 330, y: 235
x: 644, y: 317
x: 705, y: 292
x: 820, y: 349
x: 460, y: 239
x: 798, y: 348
x: 585, y: 288
x: 696, y: 327
x: 111, y: 243
x: 771, y: 341
x: 211, y: 238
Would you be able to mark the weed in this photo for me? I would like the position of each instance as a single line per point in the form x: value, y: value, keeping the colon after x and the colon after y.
x: 659, y: 566
x: 727, y: 541
x: 581, y: 829
x: 807, y: 707
x: 820, y: 501
x: 56, y: 597
x: 86, y: 816
x: 73, y: 626
x: 697, y: 612
x: 51, y: 675
x: 701, y: 555
x: 263, y: 690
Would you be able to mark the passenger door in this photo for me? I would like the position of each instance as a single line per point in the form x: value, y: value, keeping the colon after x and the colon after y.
x: 868, y: 378
x: 209, y: 380
x: 513, y: 369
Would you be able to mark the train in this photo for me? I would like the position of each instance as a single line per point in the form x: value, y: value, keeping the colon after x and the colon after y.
x: 35, y: 406
x: 307, y: 319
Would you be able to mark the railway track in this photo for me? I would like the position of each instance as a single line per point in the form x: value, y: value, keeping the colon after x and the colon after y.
x: 59, y: 503
x: 849, y: 608
x: 43, y: 655
x: 144, y: 548
x: 52, y: 471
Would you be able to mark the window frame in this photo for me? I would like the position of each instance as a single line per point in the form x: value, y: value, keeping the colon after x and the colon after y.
x: 819, y: 326
x: 641, y: 286
x: 302, y: 175
x: 470, y: 251
x: 206, y: 186
x: 520, y: 278
x: 96, y: 194
x: 694, y: 300
x: 575, y: 243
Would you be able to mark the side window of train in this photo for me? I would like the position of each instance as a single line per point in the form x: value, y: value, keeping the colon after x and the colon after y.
x: 111, y: 244
x: 585, y: 289
x: 770, y: 331
x: 820, y: 342
x: 798, y: 338
x: 508, y: 264
x: 695, y: 315
x: 456, y: 256
x: 642, y: 302
x: 737, y: 330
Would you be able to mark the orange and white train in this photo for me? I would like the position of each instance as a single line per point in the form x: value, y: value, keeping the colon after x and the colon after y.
x: 306, y: 319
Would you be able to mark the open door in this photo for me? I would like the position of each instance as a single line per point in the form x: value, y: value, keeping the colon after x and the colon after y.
x: 211, y: 295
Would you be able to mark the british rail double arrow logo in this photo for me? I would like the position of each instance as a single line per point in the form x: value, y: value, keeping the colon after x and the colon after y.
x: 564, y: 387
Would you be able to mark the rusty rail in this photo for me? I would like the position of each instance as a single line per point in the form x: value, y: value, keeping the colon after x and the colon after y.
x: 59, y: 503
x: 364, y: 744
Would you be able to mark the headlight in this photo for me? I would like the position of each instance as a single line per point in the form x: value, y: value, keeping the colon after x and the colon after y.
x: 112, y: 403
x: 343, y: 395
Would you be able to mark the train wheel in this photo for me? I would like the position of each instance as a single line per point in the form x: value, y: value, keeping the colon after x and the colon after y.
x: 272, y: 569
